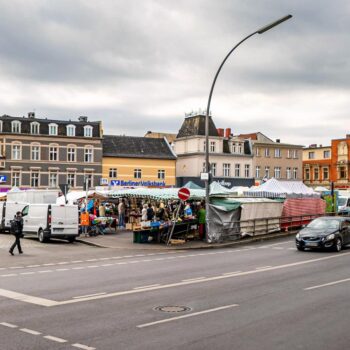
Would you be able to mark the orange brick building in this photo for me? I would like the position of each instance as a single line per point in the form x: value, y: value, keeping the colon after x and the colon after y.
x: 340, y: 162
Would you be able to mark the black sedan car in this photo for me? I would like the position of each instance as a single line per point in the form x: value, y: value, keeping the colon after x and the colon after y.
x: 328, y: 232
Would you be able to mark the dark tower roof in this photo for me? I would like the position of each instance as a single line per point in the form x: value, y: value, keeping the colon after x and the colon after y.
x: 195, y: 126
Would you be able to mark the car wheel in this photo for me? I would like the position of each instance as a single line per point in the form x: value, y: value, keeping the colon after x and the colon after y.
x: 71, y: 239
x: 301, y: 249
x: 338, y: 245
x: 41, y: 236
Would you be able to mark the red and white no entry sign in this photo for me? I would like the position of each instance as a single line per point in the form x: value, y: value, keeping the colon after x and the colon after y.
x: 184, y: 193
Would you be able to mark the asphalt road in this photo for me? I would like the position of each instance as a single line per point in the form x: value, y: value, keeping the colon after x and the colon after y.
x: 259, y: 296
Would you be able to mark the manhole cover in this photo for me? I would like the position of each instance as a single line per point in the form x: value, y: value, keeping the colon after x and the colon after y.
x: 172, y: 308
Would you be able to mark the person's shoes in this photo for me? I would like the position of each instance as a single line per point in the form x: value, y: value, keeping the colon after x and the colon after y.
x: 21, y: 252
x: 11, y: 252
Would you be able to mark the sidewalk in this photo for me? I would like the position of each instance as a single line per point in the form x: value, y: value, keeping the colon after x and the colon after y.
x: 123, y: 239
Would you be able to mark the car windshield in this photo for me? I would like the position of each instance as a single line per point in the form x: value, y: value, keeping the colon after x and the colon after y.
x: 342, y: 201
x: 324, y: 224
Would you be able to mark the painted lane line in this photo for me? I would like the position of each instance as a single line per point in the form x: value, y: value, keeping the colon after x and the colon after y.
x: 27, y: 298
x: 102, y: 259
x: 187, y: 316
x: 29, y: 331
x: 77, y: 261
x: 62, y: 269
x: 78, y: 268
x: 48, y: 264
x: 27, y: 273
x: 139, y: 255
x: 109, y: 264
x: 33, y: 265
x: 328, y: 284
x: 62, y: 263
x: 278, y: 248
x: 57, y: 340
x: 89, y: 295
x: 81, y: 346
x: 262, y: 267
x: 231, y: 273
x: 45, y: 271
x: 16, y: 267
x: 9, y: 325
x: 92, y: 266
x: 193, y: 279
x: 149, y: 286
x: 9, y: 275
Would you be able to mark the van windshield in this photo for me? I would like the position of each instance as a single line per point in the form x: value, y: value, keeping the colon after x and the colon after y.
x: 342, y: 201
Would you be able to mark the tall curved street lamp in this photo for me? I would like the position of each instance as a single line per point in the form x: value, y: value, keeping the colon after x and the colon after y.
x: 207, y: 165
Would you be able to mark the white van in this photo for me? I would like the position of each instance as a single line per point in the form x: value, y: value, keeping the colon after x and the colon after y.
x: 343, y: 205
x: 51, y: 221
x: 7, y: 212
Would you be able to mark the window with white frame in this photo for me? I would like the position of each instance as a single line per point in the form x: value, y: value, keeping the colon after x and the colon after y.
x: 267, y: 172
x: 213, y: 169
x: 0, y: 125
x: 71, y: 153
x: 113, y: 173
x: 246, y: 170
x: 70, y: 130
x: 257, y: 151
x: 88, y: 179
x: 267, y: 152
x: 35, y: 128
x: 53, y: 153
x: 327, y: 154
x: 226, y: 169
x: 289, y: 173
x: 53, y: 129
x: 316, y: 173
x: 289, y: 153
x: 34, y: 179
x: 71, y: 179
x: 137, y: 173
x: 312, y: 155
x: 277, y: 153
x: 88, y: 155
x: 16, y: 126
x: 35, y: 152
x: 325, y: 173
x: 16, y: 179
x: 212, y: 146
x: 295, y: 154
x: 16, y: 151
x: 237, y: 170
x: 161, y: 174
x: 307, y: 173
x: 88, y: 131
x: 53, y: 180
x: 257, y: 172
x: 240, y: 148
x: 277, y: 172
x: 295, y: 173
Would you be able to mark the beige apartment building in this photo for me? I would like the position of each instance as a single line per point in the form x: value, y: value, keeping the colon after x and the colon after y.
x: 275, y: 159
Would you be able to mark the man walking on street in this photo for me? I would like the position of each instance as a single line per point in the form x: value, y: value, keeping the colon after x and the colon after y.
x: 17, y: 230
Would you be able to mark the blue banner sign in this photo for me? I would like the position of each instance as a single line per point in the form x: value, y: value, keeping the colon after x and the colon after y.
x: 3, y: 178
x: 130, y: 183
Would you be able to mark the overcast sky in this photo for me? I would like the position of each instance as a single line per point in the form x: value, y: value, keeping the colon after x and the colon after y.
x: 141, y: 65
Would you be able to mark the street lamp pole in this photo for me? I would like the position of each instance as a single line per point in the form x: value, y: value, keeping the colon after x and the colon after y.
x: 207, y: 164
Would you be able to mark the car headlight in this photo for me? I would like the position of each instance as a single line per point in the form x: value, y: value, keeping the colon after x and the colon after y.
x: 297, y: 236
x: 330, y: 237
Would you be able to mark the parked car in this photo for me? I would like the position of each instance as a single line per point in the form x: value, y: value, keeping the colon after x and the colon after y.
x: 329, y: 232
x: 51, y: 221
x: 7, y: 212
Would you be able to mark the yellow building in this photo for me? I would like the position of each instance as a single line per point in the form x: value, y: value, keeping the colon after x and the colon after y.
x: 137, y: 161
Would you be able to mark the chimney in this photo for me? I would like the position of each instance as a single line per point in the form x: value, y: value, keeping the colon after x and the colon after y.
x: 221, y: 132
x: 31, y: 115
x: 228, y: 132
x: 82, y: 118
x: 278, y: 140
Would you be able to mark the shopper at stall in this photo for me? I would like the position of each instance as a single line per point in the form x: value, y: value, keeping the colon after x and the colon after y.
x: 187, y: 210
x: 144, y: 213
x: 121, y: 214
x: 150, y: 212
x: 201, y: 222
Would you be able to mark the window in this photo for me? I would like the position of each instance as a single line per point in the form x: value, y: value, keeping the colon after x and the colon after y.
x: 342, y: 172
x: 307, y: 174
x: 257, y: 172
x: 71, y: 153
x: 226, y: 169
x: 203, y: 146
x: 16, y: 127
x: 295, y: 173
x: 312, y: 155
x: 295, y: 154
x: 88, y: 155
x: 16, y: 151
x: 325, y: 173
x: 53, y: 180
x: 53, y: 129
x: 34, y: 179
x: 326, y: 154
x: 267, y: 152
x: 237, y: 170
x: 257, y: 152
x: 137, y: 173
x: 35, y: 152
x: 212, y: 146
x: 70, y: 130
x: 71, y: 179
x: 53, y: 153
x: 16, y: 179
x: 87, y: 131
x: 277, y: 153
x: 316, y: 173
x: 88, y: 180
x: 289, y: 173
x: 213, y: 169
x: 0, y: 125
x: 267, y: 172
x: 161, y: 174
x: 277, y: 172
x: 237, y: 148
x: 246, y: 170
x: 113, y: 173
x: 289, y: 153
x: 35, y: 128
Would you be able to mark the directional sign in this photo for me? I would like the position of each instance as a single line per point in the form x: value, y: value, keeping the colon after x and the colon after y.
x: 184, y: 193
x: 3, y: 178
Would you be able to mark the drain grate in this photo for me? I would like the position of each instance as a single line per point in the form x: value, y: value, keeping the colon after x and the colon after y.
x: 172, y: 308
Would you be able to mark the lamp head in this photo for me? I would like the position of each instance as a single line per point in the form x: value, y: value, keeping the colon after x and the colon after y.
x: 273, y: 24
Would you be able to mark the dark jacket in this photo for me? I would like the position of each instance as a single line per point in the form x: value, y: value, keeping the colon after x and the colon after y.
x: 17, y: 226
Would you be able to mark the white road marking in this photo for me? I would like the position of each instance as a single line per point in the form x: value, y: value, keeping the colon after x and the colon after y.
x: 45, y: 271
x: 78, y: 268
x: 62, y: 269
x: 9, y: 325
x: 9, y: 275
x: 231, y: 273
x: 92, y: 266
x: 262, y: 267
x: 91, y: 260
x: 27, y: 298
x: 16, y: 267
x: 328, y: 284
x: 89, y: 295
x: 193, y: 279
x: 48, y: 264
x: 149, y: 286
x: 29, y: 331
x: 58, y: 340
x: 33, y: 265
x: 27, y: 273
x: 187, y: 316
x: 81, y: 346
x: 77, y: 261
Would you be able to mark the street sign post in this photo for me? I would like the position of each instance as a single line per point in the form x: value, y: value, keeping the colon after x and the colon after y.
x: 184, y: 193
